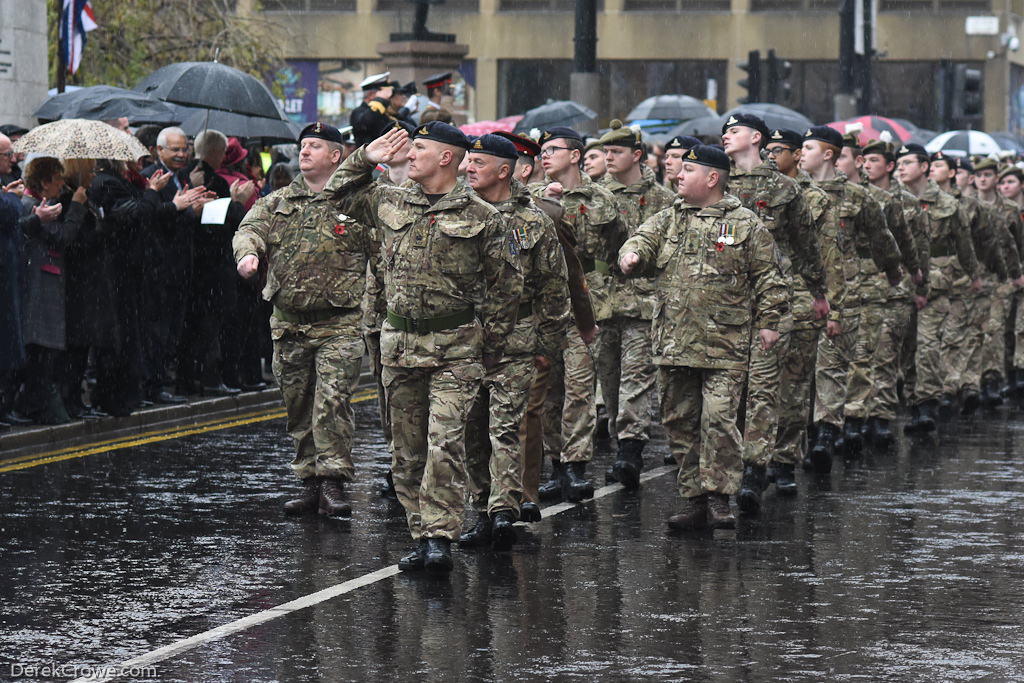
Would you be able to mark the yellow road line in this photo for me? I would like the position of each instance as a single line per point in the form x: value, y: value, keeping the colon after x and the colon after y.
x: 35, y: 460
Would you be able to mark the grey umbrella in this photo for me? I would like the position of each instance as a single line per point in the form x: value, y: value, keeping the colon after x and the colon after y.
x: 106, y: 102
x: 774, y: 115
x: 557, y: 113
x: 269, y: 131
x: 705, y: 126
x: 211, y: 85
x: 670, y: 108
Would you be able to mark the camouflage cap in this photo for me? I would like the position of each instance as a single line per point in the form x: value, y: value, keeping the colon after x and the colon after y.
x: 786, y: 137
x: 707, y: 155
x: 622, y: 136
x: 494, y: 145
x: 446, y: 133
x: 748, y: 120
x: 826, y: 134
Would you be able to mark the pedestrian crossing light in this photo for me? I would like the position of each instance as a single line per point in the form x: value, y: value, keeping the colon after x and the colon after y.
x: 752, y: 83
x: 779, y: 71
x: 967, y: 92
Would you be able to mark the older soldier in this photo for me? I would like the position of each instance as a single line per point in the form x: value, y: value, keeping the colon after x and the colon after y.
x: 316, y: 256
x: 624, y: 364
x: 952, y: 265
x: 452, y: 290
x: 594, y: 216
x: 527, y: 159
x: 780, y: 205
x: 495, y: 482
x: 718, y: 273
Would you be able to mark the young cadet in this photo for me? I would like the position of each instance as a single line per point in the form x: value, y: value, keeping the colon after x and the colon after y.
x: 675, y: 149
x: 1011, y: 184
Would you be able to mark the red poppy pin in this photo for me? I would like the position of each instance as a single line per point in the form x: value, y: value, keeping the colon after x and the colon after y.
x: 433, y: 218
x: 583, y: 208
x: 762, y: 204
x: 339, y: 229
x: 924, y: 206
x: 643, y: 200
x: 720, y: 246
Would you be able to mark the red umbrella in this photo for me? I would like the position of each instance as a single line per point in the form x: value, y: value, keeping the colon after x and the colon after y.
x: 873, y: 126
x: 484, y: 127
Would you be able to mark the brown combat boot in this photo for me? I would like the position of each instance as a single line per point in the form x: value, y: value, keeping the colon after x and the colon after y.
x: 693, y: 516
x: 719, y: 514
x: 331, y: 502
x: 307, y: 500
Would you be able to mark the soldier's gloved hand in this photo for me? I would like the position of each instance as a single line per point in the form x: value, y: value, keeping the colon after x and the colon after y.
x: 491, y: 361
x: 768, y: 338
x: 821, y: 308
x: 248, y: 266
x: 920, y: 301
x: 628, y: 262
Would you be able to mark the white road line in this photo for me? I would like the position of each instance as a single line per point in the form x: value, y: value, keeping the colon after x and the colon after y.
x: 164, y: 653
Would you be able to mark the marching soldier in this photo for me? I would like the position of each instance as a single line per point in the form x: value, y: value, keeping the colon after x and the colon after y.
x: 1011, y: 184
x: 675, y: 150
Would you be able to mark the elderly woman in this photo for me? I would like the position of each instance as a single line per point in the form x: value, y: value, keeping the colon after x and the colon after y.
x: 44, y: 311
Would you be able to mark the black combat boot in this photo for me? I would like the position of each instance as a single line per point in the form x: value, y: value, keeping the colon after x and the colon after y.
x: 331, y: 502
x: 751, y: 487
x: 969, y: 401
x: 414, y: 560
x: 881, y: 436
x: 308, y: 500
x: 945, y: 408
x: 438, y: 559
x: 719, y: 514
x: 552, y: 488
x: 670, y: 459
x: 694, y: 514
x: 929, y: 415
x: 609, y: 475
x: 821, y: 451
x: 1017, y: 385
x: 785, y: 479
x: 853, y: 439
x: 576, y: 487
x: 991, y: 396
x: 529, y: 512
x: 503, y: 533
x: 479, y: 536
x: 629, y: 463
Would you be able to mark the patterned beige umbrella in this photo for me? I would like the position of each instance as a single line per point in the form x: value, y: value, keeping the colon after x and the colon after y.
x: 81, y: 139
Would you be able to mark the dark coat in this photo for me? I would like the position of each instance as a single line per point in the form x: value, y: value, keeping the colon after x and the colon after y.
x: 12, y: 268
x: 44, y: 297
x: 91, y: 294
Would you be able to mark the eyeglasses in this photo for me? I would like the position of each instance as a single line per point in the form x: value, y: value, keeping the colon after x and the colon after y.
x: 780, y: 149
x: 549, y: 151
x: 9, y: 155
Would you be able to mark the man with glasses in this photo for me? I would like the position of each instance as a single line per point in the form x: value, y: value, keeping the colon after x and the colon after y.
x: 591, y: 209
x: 952, y: 264
x: 7, y: 177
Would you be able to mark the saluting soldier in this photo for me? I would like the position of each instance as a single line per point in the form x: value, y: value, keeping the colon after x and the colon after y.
x: 316, y: 256
x: 718, y: 275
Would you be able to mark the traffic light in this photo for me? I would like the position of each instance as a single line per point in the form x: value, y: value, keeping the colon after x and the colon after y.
x: 779, y: 70
x: 752, y: 83
x: 967, y: 92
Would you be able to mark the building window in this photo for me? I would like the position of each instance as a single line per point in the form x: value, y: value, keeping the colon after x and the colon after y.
x: 790, y: 5
x: 309, y: 5
x: 935, y: 5
x: 448, y: 6
x: 676, y: 5
x: 541, y: 6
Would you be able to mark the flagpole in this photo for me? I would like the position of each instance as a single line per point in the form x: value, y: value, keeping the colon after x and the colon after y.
x: 62, y: 67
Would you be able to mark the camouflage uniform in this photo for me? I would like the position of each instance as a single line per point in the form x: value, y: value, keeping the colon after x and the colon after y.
x: 778, y: 202
x: 952, y: 266
x: 624, y: 361
x: 494, y: 464
x: 317, y: 256
x: 569, y: 413
x: 863, y: 226
x: 452, y: 290
x: 708, y: 296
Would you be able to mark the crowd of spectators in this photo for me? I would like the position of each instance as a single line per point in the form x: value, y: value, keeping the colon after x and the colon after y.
x: 115, y: 294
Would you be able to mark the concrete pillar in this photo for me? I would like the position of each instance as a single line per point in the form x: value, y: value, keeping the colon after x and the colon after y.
x: 24, y: 71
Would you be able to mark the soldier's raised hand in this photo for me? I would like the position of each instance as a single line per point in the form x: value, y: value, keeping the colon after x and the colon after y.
x: 628, y: 262
x: 248, y: 266
x: 383, y: 149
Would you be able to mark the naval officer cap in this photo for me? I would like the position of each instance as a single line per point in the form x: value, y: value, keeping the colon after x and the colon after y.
x: 324, y: 131
x: 438, y: 131
x: 375, y: 82
x: 495, y: 145
x: 750, y: 121
x: 524, y: 145
x: 826, y: 134
x: 708, y: 155
x: 787, y: 137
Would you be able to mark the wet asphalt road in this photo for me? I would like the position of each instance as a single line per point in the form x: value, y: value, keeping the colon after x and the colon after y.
x: 905, y: 566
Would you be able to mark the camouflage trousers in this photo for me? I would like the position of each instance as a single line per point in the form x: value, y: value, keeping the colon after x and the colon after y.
x: 873, y: 380
x: 908, y: 355
x: 493, y: 451
x: 625, y: 368
x: 940, y: 331
x: 832, y: 369
x: 699, y: 410
x: 318, y: 375
x: 373, y: 351
x: 429, y: 409
x: 531, y: 434
x: 795, y: 392
x: 960, y: 342
x: 993, y: 346
x: 1018, y: 330
x: 569, y: 412
x: 761, y: 421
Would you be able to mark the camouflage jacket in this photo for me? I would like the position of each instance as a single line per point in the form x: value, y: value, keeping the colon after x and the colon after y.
x: 316, y: 248
x: 953, y: 263
x: 545, y: 286
x: 438, y: 260
x: 594, y: 215
x: 875, y: 286
x: 778, y: 202
x: 634, y: 297
x: 826, y: 222
x: 985, y: 226
x: 709, y: 291
x: 1006, y: 225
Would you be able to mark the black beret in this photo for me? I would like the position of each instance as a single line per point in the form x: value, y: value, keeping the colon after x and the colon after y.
x: 942, y: 156
x: 524, y: 145
x: 786, y: 137
x: 560, y: 132
x: 438, y: 131
x: 748, y: 120
x: 964, y: 164
x: 495, y: 145
x: 707, y: 155
x: 912, y: 148
x: 324, y: 131
x: 408, y: 89
x: 826, y: 134
x: 682, y: 142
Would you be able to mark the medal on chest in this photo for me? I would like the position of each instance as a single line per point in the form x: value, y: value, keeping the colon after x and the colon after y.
x: 726, y: 236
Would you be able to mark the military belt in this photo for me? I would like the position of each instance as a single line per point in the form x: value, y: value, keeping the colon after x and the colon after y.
x: 939, y: 250
x: 310, y: 317
x: 590, y: 264
x: 525, y: 310
x: 425, y: 325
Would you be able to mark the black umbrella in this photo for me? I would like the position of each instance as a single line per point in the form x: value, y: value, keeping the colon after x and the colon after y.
x: 270, y: 131
x: 106, y: 102
x: 670, y: 108
x: 704, y: 127
x: 211, y: 85
x: 557, y: 113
